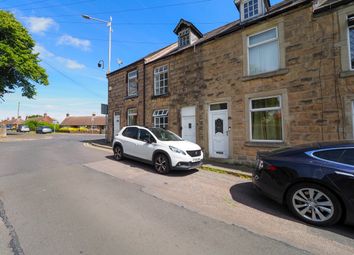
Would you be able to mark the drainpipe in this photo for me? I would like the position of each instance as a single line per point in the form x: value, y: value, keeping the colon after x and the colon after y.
x: 144, y: 101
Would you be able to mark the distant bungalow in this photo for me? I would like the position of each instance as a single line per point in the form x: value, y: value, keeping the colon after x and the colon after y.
x: 92, y: 122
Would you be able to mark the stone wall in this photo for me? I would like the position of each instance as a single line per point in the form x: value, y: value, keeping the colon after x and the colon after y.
x: 316, y: 91
x: 2, y: 131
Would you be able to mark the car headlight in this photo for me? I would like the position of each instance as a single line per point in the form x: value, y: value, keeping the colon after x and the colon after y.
x: 174, y: 149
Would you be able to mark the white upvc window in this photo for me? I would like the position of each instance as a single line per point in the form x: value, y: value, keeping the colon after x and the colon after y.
x: 266, y: 121
x: 160, y: 118
x: 132, y: 89
x: 184, y: 37
x: 351, y: 40
x: 251, y: 8
x: 132, y: 117
x: 263, y: 52
x: 161, y: 80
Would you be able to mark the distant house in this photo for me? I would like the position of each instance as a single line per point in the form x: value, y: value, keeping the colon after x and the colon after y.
x: 45, y: 118
x: 92, y: 122
x: 12, y: 123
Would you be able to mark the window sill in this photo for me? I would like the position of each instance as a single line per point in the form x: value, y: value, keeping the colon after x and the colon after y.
x: 130, y: 97
x: 265, y: 75
x: 346, y: 74
x: 265, y: 144
x: 158, y: 96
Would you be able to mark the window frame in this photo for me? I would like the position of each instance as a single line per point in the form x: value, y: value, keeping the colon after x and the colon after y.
x: 164, y: 114
x: 251, y: 110
x: 186, y: 35
x: 351, y: 68
x: 157, y: 73
x: 132, y: 114
x: 255, y: 15
x: 129, y: 80
x: 261, y: 43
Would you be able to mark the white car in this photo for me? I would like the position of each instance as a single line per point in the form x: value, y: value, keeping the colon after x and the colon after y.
x: 163, y: 149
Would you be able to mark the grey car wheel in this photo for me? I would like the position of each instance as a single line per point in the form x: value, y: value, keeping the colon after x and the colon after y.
x: 162, y: 164
x: 118, y: 152
x: 314, y: 204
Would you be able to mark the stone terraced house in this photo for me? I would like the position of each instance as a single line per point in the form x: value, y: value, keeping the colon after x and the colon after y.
x: 280, y: 75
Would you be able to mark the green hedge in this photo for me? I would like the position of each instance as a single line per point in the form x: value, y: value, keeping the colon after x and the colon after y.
x: 33, y: 124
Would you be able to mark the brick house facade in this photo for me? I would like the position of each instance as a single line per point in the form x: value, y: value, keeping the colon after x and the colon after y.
x: 282, y: 77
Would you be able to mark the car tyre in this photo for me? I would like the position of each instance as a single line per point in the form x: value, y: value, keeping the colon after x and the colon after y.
x: 314, y: 204
x: 162, y: 164
x: 118, y: 152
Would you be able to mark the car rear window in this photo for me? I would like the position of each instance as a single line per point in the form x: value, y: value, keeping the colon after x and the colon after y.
x: 345, y: 156
x: 131, y: 132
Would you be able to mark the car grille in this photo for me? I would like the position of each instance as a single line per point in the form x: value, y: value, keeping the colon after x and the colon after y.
x: 194, y: 153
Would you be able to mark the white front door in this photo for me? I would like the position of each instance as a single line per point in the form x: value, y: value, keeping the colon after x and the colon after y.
x: 116, y: 125
x: 188, y: 124
x: 218, y: 131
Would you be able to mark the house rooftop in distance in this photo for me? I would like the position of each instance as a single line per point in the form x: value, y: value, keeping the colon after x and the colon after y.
x: 92, y: 120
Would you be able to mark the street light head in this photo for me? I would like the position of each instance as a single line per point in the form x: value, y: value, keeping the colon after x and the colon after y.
x: 86, y: 16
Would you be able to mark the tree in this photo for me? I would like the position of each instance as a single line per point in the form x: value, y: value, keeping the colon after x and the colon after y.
x: 19, y: 65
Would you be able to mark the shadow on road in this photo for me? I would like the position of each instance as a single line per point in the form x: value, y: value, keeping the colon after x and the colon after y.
x: 246, y: 194
x: 150, y: 169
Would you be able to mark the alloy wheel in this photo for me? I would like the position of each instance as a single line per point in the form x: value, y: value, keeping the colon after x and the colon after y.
x: 162, y: 164
x: 118, y: 153
x: 313, y: 205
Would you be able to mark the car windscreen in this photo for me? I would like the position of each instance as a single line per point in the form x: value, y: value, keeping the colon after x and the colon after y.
x: 165, y: 135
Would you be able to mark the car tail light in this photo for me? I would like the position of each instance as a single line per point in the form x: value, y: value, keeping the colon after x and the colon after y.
x: 272, y: 168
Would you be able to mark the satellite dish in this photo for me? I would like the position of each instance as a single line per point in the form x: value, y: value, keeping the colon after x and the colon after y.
x: 119, y: 61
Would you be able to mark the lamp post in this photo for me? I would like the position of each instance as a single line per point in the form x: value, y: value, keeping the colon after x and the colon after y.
x: 109, y: 25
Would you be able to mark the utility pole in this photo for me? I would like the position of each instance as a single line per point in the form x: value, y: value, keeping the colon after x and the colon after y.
x: 18, y: 110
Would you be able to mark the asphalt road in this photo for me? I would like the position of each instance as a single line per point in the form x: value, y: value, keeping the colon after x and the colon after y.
x: 54, y: 201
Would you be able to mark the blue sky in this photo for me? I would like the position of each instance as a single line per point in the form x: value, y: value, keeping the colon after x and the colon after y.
x: 70, y: 46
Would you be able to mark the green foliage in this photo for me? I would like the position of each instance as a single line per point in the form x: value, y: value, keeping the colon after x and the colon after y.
x: 34, y: 116
x: 33, y: 124
x: 19, y: 66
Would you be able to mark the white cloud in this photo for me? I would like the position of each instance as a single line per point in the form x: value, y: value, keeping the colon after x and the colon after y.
x: 67, y: 62
x: 75, y: 42
x: 70, y: 63
x: 39, y: 25
x: 43, y: 52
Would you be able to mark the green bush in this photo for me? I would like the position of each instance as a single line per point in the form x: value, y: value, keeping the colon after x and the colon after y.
x: 33, y: 124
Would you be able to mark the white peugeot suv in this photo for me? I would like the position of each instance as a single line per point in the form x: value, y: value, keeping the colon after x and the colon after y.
x: 159, y: 147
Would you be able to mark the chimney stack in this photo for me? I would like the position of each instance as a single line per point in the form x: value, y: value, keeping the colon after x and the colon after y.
x: 45, y: 114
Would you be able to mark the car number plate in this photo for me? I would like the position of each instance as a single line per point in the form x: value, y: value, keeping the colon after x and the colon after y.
x: 196, y: 160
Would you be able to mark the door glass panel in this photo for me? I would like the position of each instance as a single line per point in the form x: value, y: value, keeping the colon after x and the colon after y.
x: 144, y: 135
x: 215, y: 107
x: 219, y: 126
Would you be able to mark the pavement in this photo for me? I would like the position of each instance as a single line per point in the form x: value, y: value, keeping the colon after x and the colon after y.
x: 64, y: 196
